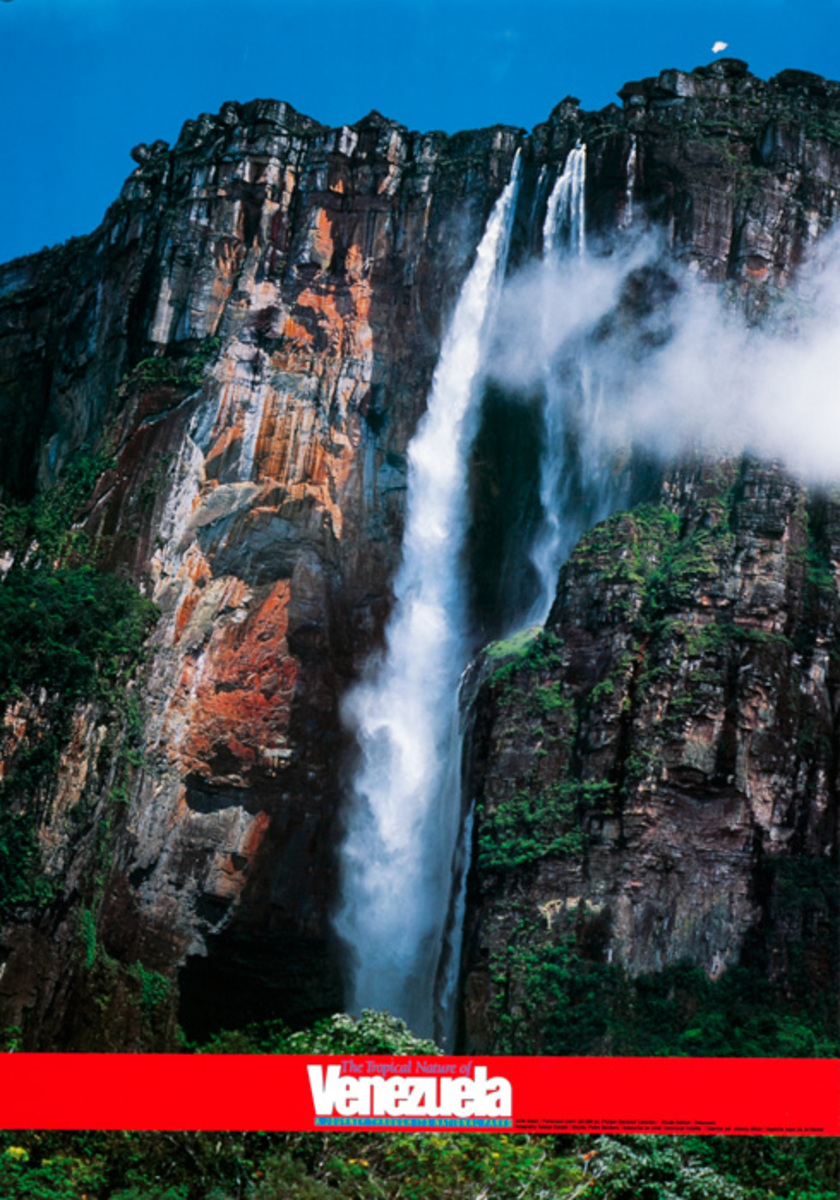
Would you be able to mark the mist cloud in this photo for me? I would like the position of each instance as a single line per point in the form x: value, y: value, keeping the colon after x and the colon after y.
x: 680, y: 368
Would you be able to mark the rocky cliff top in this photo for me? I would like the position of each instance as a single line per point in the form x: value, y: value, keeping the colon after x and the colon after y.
x: 724, y: 89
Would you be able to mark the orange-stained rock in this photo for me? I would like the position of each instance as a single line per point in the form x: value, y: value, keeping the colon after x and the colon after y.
x: 239, y: 705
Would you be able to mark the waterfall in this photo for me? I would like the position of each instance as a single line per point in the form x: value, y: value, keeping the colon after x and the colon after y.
x: 404, y: 819
x: 578, y: 481
x: 630, y: 187
x: 565, y: 216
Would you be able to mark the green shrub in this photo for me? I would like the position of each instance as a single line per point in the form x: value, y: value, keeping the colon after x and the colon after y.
x: 371, y: 1033
x: 174, y: 369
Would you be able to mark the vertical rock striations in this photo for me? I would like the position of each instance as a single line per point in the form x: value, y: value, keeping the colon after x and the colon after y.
x: 258, y: 323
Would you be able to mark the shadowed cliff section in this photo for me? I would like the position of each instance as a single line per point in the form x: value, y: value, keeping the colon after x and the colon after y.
x: 656, y: 784
x: 250, y: 337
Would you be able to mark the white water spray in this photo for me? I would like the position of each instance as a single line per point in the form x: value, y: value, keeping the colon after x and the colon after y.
x: 578, y: 485
x: 405, y: 814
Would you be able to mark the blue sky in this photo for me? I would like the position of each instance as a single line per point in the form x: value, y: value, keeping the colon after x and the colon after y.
x: 82, y: 81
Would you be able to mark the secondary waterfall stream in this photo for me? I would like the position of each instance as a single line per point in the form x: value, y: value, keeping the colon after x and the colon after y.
x: 404, y: 819
x: 630, y: 186
x: 579, y: 484
x: 564, y: 236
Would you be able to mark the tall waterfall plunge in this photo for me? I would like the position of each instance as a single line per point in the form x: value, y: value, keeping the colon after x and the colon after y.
x: 399, y: 855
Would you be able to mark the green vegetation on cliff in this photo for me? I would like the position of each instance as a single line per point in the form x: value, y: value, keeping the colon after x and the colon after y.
x: 650, y: 698
x: 183, y: 372
x: 70, y: 635
x: 549, y: 993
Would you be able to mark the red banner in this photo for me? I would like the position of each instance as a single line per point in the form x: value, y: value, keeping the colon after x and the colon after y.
x: 534, y: 1095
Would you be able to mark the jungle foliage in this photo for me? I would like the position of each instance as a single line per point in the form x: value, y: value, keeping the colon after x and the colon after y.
x: 367, y: 1165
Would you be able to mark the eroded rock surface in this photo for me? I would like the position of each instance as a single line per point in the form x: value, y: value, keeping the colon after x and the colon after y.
x: 656, y: 774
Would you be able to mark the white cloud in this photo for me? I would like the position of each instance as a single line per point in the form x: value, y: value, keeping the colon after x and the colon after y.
x: 689, y: 372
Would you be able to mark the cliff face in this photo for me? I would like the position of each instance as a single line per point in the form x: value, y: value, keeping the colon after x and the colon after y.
x: 294, y: 279
x: 656, y: 773
x: 250, y: 337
